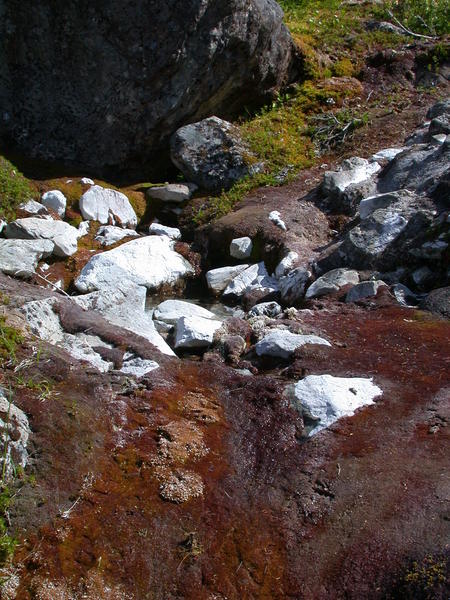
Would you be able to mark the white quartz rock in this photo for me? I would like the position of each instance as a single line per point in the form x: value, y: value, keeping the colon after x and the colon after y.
x: 254, y: 277
x: 110, y: 234
x: 171, y: 232
x: 20, y: 257
x: 325, y: 399
x: 241, y: 247
x: 107, y: 207
x: 55, y: 200
x: 170, y: 311
x: 195, y: 332
x: 63, y: 235
x: 218, y: 279
x: 149, y: 261
x: 281, y: 343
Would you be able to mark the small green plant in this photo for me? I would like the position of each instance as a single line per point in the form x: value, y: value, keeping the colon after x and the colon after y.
x: 10, y: 338
x: 14, y: 189
x: 426, y: 17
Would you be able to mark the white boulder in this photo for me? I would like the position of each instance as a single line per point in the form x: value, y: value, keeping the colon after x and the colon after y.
x: 265, y: 309
x: 63, y: 235
x: 325, y: 399
x: 386, y: 154
x: 20, y: 257
x: 86, y: 181
x: 281, y: 343
x: 195, y: 332
x: 241, y: 247
x: 83, y: 228
x: 110, y: 234
x: 33, y: 208
x: 124, y: 306
x: 254, y: 277
x: 149, y: 261
x: 170, y: 311
x: 171, y: 232
x: 55, y: 200
x: 107, y: 207
x: 218, y: 279
x: 332, y: 282
x: 351, y: 171
x: 172, y: 192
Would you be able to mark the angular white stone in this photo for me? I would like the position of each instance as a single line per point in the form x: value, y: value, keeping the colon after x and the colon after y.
x: 172, y: 192
x: 286, y: 264
x: 218, y: 279
x: 276, y: 219
x: 352, y: 170
x: 254, y: 277
x: 326, y: 399
x: 281, y: 343
x: 109, y: 234
x: 55, y: 200
x: 365, y: 289
x: 171, y: 232
x: 241, y: 247
x: 149, y: 261
x: 387, y: 154
x: 83, y: 228
x: 332, y: 282
x: 63, y: 235
x: 20, y: 257
x: 86, y: 181
x: 108, y: 207
x: 195, y: 332
x: 170, y: 311
x: 138, y: 367
x: 33, y: 208
x: 124, y: 305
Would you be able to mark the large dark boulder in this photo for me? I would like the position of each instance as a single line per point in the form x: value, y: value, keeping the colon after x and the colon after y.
x: 102, y: 85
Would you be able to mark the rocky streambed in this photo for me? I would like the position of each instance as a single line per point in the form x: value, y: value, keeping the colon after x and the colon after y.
x: 286, y: 440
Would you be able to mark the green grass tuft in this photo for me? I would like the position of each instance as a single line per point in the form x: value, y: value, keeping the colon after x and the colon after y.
x: 14, y: 189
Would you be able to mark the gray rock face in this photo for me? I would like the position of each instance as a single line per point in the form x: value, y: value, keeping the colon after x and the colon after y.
x: 107, y: 206
x: 420, y: 168
x: 293, y: 285
x: 280, y: 343
x: 438, y: 302
x: 63, y: 235
x: 211, y: 153
x: 365, y: 289
x: 162, y: 64
x: 20, y: 257
x: 332, y: 282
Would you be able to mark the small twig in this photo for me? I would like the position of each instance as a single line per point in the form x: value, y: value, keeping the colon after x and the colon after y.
x: 408, y: 31
x: 58, y: 289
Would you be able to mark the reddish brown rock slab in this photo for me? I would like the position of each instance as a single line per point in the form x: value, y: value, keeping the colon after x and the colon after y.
x: 257, y: 510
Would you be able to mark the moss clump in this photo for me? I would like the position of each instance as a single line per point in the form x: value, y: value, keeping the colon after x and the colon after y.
x: 344, y: 68
x: 14, y: 189
x: 7, y: 542
x: 10, y: 338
